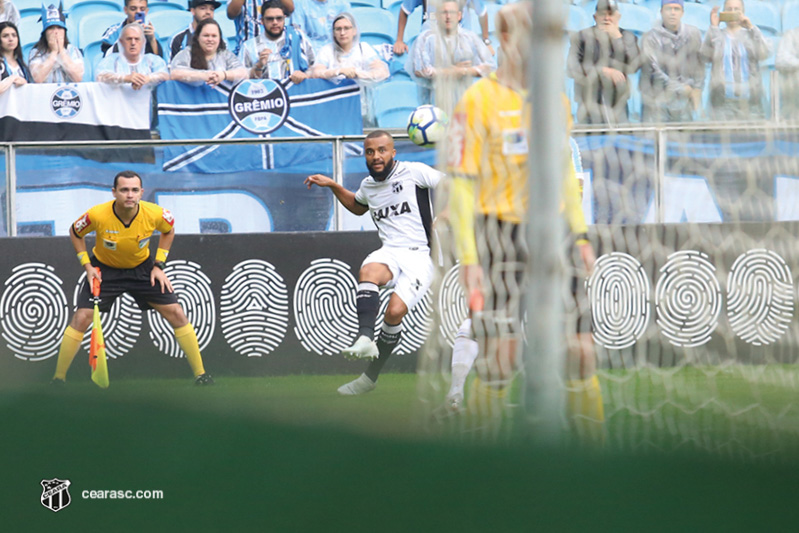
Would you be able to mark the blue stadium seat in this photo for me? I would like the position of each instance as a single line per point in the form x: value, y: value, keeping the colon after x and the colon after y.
x: 393, y: 102
x: 227, y: 25
x: 30, y: 29
x: 92, y: 27
x: 790, y: 16
x: 77, y: 9
x: 697, y: 15
x: 636, y: 19
x: 765, y: 16
x: 168, y: 22
x: 157, y: 6
x: 92, y: 54
x: 635, y: 103
x: 377, y: 26
x: 578, y: 19
x: 366, y: 3
x: 414, y: 26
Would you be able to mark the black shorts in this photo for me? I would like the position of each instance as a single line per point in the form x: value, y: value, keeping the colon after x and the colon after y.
x: 117, y: 281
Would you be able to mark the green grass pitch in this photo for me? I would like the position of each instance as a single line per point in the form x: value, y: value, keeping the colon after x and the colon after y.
x: 289, y: 454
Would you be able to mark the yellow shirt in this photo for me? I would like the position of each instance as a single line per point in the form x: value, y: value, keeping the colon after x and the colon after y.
x: 488, y: 162
x: 118, y: 245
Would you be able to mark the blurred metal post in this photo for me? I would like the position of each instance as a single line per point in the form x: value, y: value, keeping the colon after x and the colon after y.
x: 660, y: 174
x: 11, y: 190
x: 544, y: 361
x: 338, y: 176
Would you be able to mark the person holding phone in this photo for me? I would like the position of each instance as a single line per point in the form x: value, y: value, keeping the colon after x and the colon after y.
x: 53, y: 59
x: 735, y: 53
x: 135, y: 11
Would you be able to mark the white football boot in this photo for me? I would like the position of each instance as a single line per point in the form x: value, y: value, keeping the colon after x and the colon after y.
x: 360, y: 385
x: 364, y: 348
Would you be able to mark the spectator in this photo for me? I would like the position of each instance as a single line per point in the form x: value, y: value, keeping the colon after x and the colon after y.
x: 207, y: 60
x: 315, y: 18
x: 53, y: 59
x: 13, y: 71
x: 736, y: 90
x: 136, y: 11
x: 244, y: 13
x: 131, y: 66
x: 673, y: 71
x: 9, y: 12
x: 787, y: 64
x: 200, y: 10
x: 279, y: 52
x: 447, y: 53
x: 348, y: 57
x: 601, y: 58
x: 428, y: 13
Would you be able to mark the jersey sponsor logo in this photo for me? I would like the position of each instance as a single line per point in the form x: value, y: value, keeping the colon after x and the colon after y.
x: 82, y: 223
x: 259, y: 106
x: 169, y: 217
x: 514, y: 142
x: 109, y: 245
x: 457, y: 140
x: 144, y: 242
x: 391, y: 211
x: 66, y: 102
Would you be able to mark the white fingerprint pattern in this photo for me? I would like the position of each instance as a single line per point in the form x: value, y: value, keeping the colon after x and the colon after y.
x: 452, y: 304
x: 760, y: 297
x: 254, y: 308
x: 193, y: 289
x: 324, y: 307
x: 688, y: 299
x: 33, y: 312
x: 121, y: 324
x: 618, y: 291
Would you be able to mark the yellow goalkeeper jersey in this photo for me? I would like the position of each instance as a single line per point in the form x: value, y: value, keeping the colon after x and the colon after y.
x: 488, y: 162
x: 118, y: 245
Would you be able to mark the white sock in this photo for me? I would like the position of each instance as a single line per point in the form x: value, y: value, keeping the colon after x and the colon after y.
x: 464, y: 352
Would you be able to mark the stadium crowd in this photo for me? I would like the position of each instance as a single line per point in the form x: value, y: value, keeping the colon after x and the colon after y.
x: 640, y: 60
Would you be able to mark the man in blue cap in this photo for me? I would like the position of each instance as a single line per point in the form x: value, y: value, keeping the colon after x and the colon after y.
x: 672, y: 70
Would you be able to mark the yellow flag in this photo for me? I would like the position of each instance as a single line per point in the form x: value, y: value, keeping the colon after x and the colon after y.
x: 97, y: 346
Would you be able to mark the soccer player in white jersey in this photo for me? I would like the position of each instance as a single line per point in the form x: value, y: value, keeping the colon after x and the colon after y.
x: 397, y: 196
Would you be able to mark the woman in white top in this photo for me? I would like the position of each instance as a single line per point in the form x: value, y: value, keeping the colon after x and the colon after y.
x: 207, y: 60
x: 53, y: 59
x: 13, y: 71
x: 349, y: 58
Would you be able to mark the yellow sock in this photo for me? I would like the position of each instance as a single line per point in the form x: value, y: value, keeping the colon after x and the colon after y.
x: 586, y: 412
x: 70, y: 345
x: 187, y: 339
x: 486, y: 405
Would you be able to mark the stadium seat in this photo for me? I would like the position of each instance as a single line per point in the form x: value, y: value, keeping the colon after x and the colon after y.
x: 790, y: 16
x: 697, y: 15
x: 366, y: 3
x: 765, y: 16
x: 635, y: 103
x: 30, y: 29
x: 414, y: 26
x: 77, y: 9
x: 377, y: 26
x: 393, y: 102
x: 92, y: 54
x: 92, y: 27
x: 227, y: 25
x: 393, y: 6
x: 168, y: 22
x: 157, y: 6
x: 636, y: 19
x: 578, y: 19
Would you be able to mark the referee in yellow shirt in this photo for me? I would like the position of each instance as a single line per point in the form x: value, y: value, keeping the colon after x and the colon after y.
x: 123, y: 228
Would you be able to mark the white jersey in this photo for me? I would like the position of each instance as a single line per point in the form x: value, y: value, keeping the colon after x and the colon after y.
x: 400, y: 205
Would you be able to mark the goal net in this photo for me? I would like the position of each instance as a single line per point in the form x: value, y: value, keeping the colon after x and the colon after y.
x: 689, y: 307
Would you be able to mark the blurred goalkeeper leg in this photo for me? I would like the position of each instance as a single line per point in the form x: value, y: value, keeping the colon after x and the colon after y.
x: 584, y: 396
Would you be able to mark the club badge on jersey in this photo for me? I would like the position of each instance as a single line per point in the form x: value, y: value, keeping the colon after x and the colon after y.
x: 514, y: 142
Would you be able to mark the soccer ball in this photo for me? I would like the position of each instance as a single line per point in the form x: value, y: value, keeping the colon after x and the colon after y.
x: 427, y: 125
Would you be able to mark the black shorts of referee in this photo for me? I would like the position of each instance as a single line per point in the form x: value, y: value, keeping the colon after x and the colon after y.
x: 117, y: 281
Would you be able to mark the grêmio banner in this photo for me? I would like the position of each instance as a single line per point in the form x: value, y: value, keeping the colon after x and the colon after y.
x: 251, y: 109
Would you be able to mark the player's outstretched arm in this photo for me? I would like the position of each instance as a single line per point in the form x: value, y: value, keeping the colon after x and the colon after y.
x: 346, y: 197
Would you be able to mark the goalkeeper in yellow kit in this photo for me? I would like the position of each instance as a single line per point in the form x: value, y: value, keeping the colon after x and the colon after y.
x: 488, y: 205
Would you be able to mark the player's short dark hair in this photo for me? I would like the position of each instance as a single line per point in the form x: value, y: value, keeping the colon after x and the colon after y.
x: 272, y: 4
x: 127, y: 174
x: 379, y: 133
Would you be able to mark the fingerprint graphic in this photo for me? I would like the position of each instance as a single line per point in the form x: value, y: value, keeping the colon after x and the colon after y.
x: 688, y: 299
x: 416, y: 325
x: 121, y: 324
x: 193, y: 289
x: 324, y: 307
x: 254, y: 308
x: 760, y: 297
x: 451, y: 305
x: 618, y: 291
x: 33, y: 312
